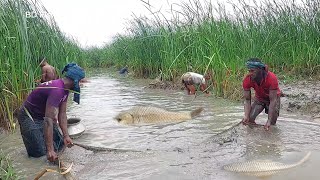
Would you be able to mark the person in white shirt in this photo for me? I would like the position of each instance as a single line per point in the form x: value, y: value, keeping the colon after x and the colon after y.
x: 190, y: 79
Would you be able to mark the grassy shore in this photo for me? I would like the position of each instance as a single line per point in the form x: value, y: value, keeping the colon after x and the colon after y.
x: 200, y: 37
x: 6, y: 170
x: 208, y: 37
x: 28, y: 32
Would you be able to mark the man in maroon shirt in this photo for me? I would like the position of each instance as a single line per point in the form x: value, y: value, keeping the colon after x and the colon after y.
x: 45, y: 109
x: 267, y: 93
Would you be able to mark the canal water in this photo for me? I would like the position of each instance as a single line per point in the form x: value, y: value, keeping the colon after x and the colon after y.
x: 193, y: 149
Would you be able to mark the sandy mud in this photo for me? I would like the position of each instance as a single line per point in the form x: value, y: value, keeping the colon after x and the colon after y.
x: 302, y: 97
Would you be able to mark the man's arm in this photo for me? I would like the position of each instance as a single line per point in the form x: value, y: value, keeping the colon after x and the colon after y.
x: 247, y: 105
x: 186, y: 86
x: 63, y: 123
x: 272, y: 107
x: 203, y: 88
x: 50, y: 117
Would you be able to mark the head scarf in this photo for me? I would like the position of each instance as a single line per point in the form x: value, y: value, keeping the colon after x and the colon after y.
x: 255, y: 64
x: 76, y: 73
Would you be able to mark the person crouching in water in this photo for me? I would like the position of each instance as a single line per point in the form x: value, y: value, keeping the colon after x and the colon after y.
x: 44, y: 109
x: 124, y: 71
x: 190, y: 79
x: 267, y: 93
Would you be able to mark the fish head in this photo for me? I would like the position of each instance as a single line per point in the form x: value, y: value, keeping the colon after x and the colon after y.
x: 125, y: 118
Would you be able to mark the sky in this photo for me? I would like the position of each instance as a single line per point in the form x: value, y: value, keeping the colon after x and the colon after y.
x: 95, y: 22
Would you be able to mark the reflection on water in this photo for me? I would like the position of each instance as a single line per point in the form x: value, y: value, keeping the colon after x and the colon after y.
x: 183, y: 150
x: 263, y: 144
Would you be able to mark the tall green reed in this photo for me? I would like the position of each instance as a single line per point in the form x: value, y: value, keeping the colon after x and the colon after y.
x: 6, y: 169
x: 210, y: 37
x: 27, y: 33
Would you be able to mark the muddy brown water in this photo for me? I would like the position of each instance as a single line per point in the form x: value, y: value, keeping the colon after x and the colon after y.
x: 186, y: 150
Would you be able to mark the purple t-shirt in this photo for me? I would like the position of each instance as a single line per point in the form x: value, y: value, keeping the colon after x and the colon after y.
x: 51, y: 92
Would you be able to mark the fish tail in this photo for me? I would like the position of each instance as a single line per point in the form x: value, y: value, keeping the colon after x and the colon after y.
x: 306, y: 157
x: 196, y: 112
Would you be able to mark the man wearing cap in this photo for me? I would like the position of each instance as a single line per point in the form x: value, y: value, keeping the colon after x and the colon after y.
x: 45, y: 109
x: 267, y: 93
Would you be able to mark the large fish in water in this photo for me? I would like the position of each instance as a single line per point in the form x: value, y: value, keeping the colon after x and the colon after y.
x: 262, y: 168
x: 147, y: 114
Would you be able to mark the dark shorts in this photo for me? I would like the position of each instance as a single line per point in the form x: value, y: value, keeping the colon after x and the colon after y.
x: 266, y: 105
x: 258, y: 106
x: 33, y: 135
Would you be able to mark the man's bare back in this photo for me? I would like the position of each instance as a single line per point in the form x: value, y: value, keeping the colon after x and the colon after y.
x: 48, y: 72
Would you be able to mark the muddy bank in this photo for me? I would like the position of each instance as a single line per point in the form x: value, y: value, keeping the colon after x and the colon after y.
x: 158, y: 84
x: 301, y: 97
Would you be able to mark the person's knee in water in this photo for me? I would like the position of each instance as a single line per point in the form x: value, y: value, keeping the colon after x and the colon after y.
x: 45, y: 109
x: 267, y: 93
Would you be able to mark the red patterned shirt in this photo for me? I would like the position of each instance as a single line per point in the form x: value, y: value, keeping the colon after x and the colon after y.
x: 270, y: 82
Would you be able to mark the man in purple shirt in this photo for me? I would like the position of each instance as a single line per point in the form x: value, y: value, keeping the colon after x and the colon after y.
x: 45, y: 109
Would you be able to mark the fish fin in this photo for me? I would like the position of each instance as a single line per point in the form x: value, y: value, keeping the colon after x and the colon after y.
x: 196, y: 112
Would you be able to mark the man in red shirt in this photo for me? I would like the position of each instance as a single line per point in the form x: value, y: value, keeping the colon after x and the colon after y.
x: 267, y: 93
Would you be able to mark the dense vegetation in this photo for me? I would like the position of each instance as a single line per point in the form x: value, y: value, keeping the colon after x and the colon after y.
x: 27, y: 32
x: 6, y: 169
x: 202, y: 37
x: 208, y: 37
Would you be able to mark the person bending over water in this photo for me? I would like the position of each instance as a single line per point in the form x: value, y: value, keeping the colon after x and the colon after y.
x: 267, y: 93
x: 44, y: 109
x: 190, y: 79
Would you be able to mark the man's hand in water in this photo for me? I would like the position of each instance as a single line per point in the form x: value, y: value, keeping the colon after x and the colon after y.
x: 52, y: 156
x: 246, y: 121
x: 267, y: 126
x: 67, y: 141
